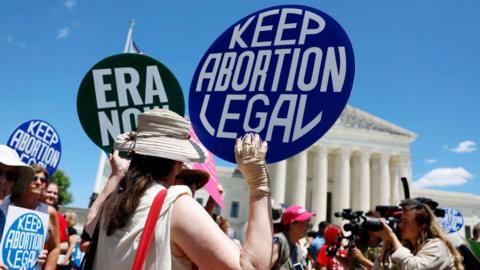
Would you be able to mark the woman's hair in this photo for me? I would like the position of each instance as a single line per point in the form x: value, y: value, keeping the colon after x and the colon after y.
x: 39, y: 169
x: 431, y: 229
x: 71, y: 218
x: 119, y: 207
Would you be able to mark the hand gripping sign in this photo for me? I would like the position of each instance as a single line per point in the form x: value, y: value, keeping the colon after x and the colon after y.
x: 452, y: 221
x: 23, y: 238
x: 37, y: 142
x: 284, y: 72
x: 118, y: 88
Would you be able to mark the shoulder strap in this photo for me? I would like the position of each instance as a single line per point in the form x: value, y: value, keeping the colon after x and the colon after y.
x: 148, y: 230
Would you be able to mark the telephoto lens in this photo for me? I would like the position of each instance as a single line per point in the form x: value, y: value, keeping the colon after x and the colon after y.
x: 372, y: 224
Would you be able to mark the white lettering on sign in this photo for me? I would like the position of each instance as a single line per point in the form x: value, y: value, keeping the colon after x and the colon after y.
x: 111, y: 126
x: 23, y: 242
x: 293, y: 120
x: 309, y: 18
x: 272, y: 57
x: 36, y: 144
x: 127, y: 81
x: 249, y: 68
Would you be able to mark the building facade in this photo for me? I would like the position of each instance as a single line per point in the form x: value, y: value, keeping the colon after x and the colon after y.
x: 358, y: 164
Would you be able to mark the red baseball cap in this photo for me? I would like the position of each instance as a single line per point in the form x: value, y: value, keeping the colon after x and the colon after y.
x: 296, y: 213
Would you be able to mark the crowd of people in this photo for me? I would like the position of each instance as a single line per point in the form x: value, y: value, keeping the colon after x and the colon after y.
x: 189, y: 236
x: 28, y: 186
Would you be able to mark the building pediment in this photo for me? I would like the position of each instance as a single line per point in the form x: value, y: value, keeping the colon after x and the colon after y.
x: 354, y: 118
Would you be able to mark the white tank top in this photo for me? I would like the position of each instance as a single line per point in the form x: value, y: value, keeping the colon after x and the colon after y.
x: 118, y: 250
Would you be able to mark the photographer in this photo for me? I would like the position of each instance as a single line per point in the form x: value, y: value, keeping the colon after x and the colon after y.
x: 367, y: 248
x: 429, y: 245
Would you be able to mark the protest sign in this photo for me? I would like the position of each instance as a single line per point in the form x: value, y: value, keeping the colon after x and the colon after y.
x: 37, y: 142
x: 23, y: 238
x: 284, y: 72
x: 118, y: 88
x: 77, y: 255
x: 452, y: 221
x: 209, y: 166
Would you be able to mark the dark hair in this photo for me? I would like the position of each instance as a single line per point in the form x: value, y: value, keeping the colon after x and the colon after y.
x: 119, y: 207
x: 476, y: 230
x: 322, y: 226
x: 39, y: 169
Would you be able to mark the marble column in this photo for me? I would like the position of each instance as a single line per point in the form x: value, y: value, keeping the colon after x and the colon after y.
x: 355, y: 196
x: 395, y: 181
x: 319, y: 178
x: 375, y: 180
x: 299, y: 188
x: 341, y: 195
x: 384, y: 184
x: 364, y: 187
x: 278, y: 173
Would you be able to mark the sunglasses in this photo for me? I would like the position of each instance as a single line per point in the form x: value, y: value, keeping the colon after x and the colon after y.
x: 42, y: 179
x: 9, y: 175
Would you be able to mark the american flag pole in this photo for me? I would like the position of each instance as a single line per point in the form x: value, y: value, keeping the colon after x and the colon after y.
x: 99, y: 179
x: 129, y: 37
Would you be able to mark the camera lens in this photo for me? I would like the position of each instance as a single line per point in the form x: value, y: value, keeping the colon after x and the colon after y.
x: 372, y: 224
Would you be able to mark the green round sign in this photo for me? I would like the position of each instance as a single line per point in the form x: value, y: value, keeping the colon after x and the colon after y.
x: 116, y: 89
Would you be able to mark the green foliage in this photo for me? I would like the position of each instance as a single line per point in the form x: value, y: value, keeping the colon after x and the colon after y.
x: 63, y: 182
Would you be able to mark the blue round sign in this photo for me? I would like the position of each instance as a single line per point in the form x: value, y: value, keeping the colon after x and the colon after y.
x: 452, y: 221
x: 23, y: 242
x: 285, y: 72
x: 37, y: 142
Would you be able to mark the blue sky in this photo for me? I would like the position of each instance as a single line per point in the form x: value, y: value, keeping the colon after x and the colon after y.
x: 417, y: 66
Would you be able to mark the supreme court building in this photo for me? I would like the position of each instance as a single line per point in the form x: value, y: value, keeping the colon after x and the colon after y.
x: 357, y: 164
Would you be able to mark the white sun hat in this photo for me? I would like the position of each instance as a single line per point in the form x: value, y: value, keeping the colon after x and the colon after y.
x: 9, y: 157
x: 162, y: 133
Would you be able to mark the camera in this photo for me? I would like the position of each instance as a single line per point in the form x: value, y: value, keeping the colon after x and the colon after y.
x: 360, y: 225
x: 358, y: 222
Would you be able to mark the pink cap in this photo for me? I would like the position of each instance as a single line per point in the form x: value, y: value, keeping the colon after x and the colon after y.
x: 296, y: 213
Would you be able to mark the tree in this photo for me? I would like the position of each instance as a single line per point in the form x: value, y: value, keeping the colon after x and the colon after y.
x: 63, y: 182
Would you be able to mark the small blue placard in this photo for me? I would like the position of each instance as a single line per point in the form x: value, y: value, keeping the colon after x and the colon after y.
x: 452, y: 221
x: 77, y: 255
x: 23, y: 238
x: 37, y: 142
x: 285, y: 72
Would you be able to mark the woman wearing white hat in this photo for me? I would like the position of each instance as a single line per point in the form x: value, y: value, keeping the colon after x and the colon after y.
x: 14, y: 174
x: 184, y: 232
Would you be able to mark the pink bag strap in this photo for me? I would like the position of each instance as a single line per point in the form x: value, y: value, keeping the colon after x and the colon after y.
x: 148, y: 230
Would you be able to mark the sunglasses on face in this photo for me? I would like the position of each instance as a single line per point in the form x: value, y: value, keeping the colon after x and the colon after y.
x: 42, y: 179
x: 9, y: 175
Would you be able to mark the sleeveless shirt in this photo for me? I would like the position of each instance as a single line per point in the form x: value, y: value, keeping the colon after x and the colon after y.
x: 118, y: 250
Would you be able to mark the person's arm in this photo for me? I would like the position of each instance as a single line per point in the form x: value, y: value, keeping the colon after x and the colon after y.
x: 53, y: 241
x: 358, y: 256
x: 275, y: 253
x: 431, y: 256
x: 203, y: 241
x: 72, y: 241
x: 119, y: 168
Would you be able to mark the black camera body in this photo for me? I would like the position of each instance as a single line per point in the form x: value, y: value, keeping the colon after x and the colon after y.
x: 360, y: 226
